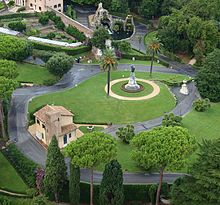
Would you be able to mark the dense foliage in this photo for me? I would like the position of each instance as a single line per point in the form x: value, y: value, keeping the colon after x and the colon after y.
x: 126, y: 133
x: 44, y: 19
x: 201, y: 105
x: 203, y: 186
x: 171, y: 120
x: 7, y: 86
x: 74, y: 185
x: 13, y: 48
x: 8, y: 69
x: 111, y: 188
x: 17, y: 26
x: 24, y: 166
x: 161, y: 148
x: 73, y: 31
x: 56, y: 171
x: 207, y: 80
x: 100, y: 35
x: 59, y: 64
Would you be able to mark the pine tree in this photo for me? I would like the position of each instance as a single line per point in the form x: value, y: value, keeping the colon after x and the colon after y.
x: 55, y: 173
x: 111, y: 189
x: 74, y: 185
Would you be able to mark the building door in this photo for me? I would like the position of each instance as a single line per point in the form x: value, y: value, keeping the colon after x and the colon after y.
x: 65, y: 139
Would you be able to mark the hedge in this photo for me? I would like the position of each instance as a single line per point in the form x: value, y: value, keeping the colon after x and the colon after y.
x: 138, y: 193
x: 67, y: 50
x: 42, y: 54
x: 16, y: 15
x: 24, y: 166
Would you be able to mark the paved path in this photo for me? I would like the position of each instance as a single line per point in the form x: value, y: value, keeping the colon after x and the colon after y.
x: 12, y: 193
x: 17, y: 118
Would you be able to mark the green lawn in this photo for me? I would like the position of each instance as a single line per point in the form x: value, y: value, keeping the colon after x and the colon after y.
x: 85, y: 130
x: 89, y: 103
x: 30, y: 73
x: 149, y: 37
x: 9, y: 178
x: 138, y: 62
x: 117, y: 90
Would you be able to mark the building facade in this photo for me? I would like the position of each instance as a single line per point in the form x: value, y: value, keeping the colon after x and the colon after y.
x: 55, y: 121
x: 41, y: 5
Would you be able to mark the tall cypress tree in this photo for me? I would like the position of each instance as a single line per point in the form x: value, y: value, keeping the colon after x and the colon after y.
x: 74, y: 185
x: 55, y: 173
x: 111, y: 189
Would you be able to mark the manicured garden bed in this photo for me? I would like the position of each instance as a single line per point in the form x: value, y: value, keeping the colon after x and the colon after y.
x: 35, y: 74
x: 89, y: 103
x: 9, y: 178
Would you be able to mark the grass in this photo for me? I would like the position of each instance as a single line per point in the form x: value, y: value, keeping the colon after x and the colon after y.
x: 148, y: 38
x: 124, y: 158
x: 35, y: 74
x: 117, y: 90
x: 138, y: 62
x: 85, y: 130
x: 89, y: 103
x: 9, y: 178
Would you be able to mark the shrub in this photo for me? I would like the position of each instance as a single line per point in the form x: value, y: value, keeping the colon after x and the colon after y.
x: 17, y: 26
x: 16, y: 15
x: 171, y: 120
x: 42, y: 54
x: 60, y: 25
x: 59, y: 64
x: 13, y: 48
x: 100, y: 35
x: 32, y: 32
x: 24, y: 166
x: 51, y: 35
x: 39, y: 200
x: 124, y: 46
x: 21, y: 9
x: 126, y: 133
x: 73, y: 31
x: 8, y: 69
x: 11, y: 3
x: 50, y: 82
x: 44, y: 19
x: 5, y: 200
x: 201, y: 105
x: 69, y: 51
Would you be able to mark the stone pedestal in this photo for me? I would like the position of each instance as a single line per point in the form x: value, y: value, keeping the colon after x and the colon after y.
x: 184, y: 90
x: 132, y: 84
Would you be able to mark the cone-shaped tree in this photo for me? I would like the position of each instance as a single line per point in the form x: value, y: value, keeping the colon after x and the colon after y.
x: 74, y: 185
x: 55, y: 172
x: 111, y: 189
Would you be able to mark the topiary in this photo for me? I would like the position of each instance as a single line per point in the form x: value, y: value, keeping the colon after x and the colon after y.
x: 201, y: 105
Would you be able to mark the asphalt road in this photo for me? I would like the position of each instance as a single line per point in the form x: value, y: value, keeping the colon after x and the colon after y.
x: 18, y: 122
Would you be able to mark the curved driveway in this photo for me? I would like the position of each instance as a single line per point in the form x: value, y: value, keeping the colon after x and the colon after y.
x: 18, y: 122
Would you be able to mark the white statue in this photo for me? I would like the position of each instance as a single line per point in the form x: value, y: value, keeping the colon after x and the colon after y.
x: 132, y: 84
x: 184, y: 90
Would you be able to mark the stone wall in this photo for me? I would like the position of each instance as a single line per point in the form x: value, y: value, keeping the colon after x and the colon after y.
x: 68, y: 21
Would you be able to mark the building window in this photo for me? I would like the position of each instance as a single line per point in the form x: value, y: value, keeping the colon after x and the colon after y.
x: 31, y: 5
x: 38, y: 122
x: 59, y: 10
x: 39, y: 8
x: 58, y: 119
x: 65, y: 139
x: 55, y: 6
x: 59, y: 5
x: 43, y: 126
x: 42, y: 135
x: 70, y: 135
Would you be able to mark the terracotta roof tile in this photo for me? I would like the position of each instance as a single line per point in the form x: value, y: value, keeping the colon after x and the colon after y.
x: 51, y: 109
x: 67, y: 129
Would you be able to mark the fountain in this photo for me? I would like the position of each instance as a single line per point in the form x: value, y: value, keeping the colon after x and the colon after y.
x: 119, y: 29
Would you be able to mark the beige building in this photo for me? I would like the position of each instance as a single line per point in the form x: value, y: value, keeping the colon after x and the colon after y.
x: 41, y: 5
x: 55, y: 121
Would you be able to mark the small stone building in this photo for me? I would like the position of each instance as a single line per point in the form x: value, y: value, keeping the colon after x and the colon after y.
x: 55, y: 121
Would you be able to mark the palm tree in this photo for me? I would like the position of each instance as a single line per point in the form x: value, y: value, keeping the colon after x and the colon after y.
x: 108, y: 63
x: 154, y: 46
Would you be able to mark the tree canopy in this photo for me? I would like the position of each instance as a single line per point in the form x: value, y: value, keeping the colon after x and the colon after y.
x: 203, y: 186
x: 8, y: 69
x: 207, y: 80
x: 7, y: 86
x: 13, y: 48
x: 100, y: 35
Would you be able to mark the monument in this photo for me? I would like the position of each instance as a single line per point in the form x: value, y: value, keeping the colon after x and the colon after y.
x: 132, y: 84
x: 184, y: 90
